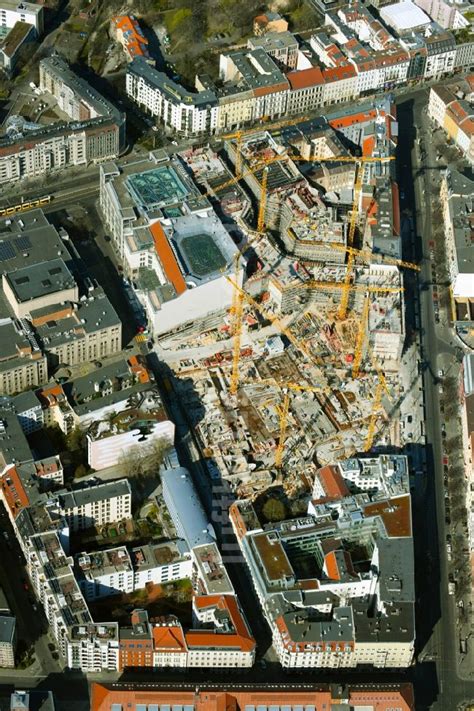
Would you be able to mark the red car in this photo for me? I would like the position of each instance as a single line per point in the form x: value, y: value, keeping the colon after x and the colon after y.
x: 445, y: 460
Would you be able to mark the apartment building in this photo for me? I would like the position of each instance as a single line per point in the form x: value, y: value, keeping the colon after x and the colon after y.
x: 189, y: 114
x: 7, y: 634
x: 80, y: 330
x: 22, y: 363
x: 441, y: 55
x: 117, y: 570
x: 281, y: 46
x: 370, y: 697
x: 127, y: 31
x: 95, y: 505
x: 29, y: 411
x: 13, y: 11
x: 95, y: 133
x: 450, y: 108
x: 326, y: 624
x: 456, y: 196
x: 51, y: 313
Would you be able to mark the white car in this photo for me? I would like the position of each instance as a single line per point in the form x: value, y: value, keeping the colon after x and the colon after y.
x: 440, y: 373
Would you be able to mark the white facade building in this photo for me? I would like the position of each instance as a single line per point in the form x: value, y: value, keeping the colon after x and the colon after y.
x: 13, y: 11
x: 95, y: 505
x: 189, y: 114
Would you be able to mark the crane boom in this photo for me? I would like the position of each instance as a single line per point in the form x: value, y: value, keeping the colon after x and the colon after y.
x: 283, y: 414
x: 273, y: 319
x: 329, y: 285
x: 367, y: 255
x: 361, y: 336
x: 263, y: 202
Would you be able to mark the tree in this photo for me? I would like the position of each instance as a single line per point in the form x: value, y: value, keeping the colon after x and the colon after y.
x: 143, y: 460
x: 74, y: 440
x: 80, y: 471
x: 274, y: 510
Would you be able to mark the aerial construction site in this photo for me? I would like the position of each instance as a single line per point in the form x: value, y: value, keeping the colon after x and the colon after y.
x: 304, y: 368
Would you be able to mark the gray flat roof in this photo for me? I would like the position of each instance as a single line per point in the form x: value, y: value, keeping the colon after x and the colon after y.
x: 58, y: 66
x: 25, y: 401
x: 173, y: 91
x: 13, y: 443
x: 10, y: 342
x: 179, y: 487
x: 7, y: 628
x: 40, y: 279
x: 256, y: 68
x: 97, y: 492
x: 81, y: 388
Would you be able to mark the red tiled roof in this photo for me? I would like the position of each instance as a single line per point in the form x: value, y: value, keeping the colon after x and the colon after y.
x: 240, y: 638
x: 395, y: 513
x: 170, y: 638
x: 351, y: 119
x: 305, y: 78
x: 14, y: 492
x: 345, y: 71
x: 332, y: 482
x: 203, y: 699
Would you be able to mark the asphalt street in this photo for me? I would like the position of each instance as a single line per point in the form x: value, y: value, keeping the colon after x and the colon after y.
x: 438, y: 639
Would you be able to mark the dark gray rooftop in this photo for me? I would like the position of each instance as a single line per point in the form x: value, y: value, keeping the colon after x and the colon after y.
x: 14, y: 446
x: 25, y: 401
x: 40, y: 279
x: 174, y: 92
x: 7, y: 628
x: 97, y: 492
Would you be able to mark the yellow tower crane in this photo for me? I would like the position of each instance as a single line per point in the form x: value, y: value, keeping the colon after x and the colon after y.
x: 237, y: 311
x: 263, y: 201
x: 368, y: 256
x: 330, y: 285
x: 342, y: 311
x: 273, y: 319
x: 361, y: 336
x: 239, y: 135
x: 283, y: 410
x: 379, y: 391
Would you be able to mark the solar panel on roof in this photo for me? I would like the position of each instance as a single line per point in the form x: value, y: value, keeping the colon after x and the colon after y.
x: 22, y: 243
x: 6, y: 251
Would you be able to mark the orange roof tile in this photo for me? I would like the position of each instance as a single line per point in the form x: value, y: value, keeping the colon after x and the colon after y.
x: 332, y: 482
x: 14, y: 492
x: 241, y: 637
x: 339, y: 73
x: 170, y: 638
x: 351, y: 119
x: 205, y: 699
x: 395, y: 513
x: 305, y: 78
x: 332, y: 567
x: 167, y: 258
